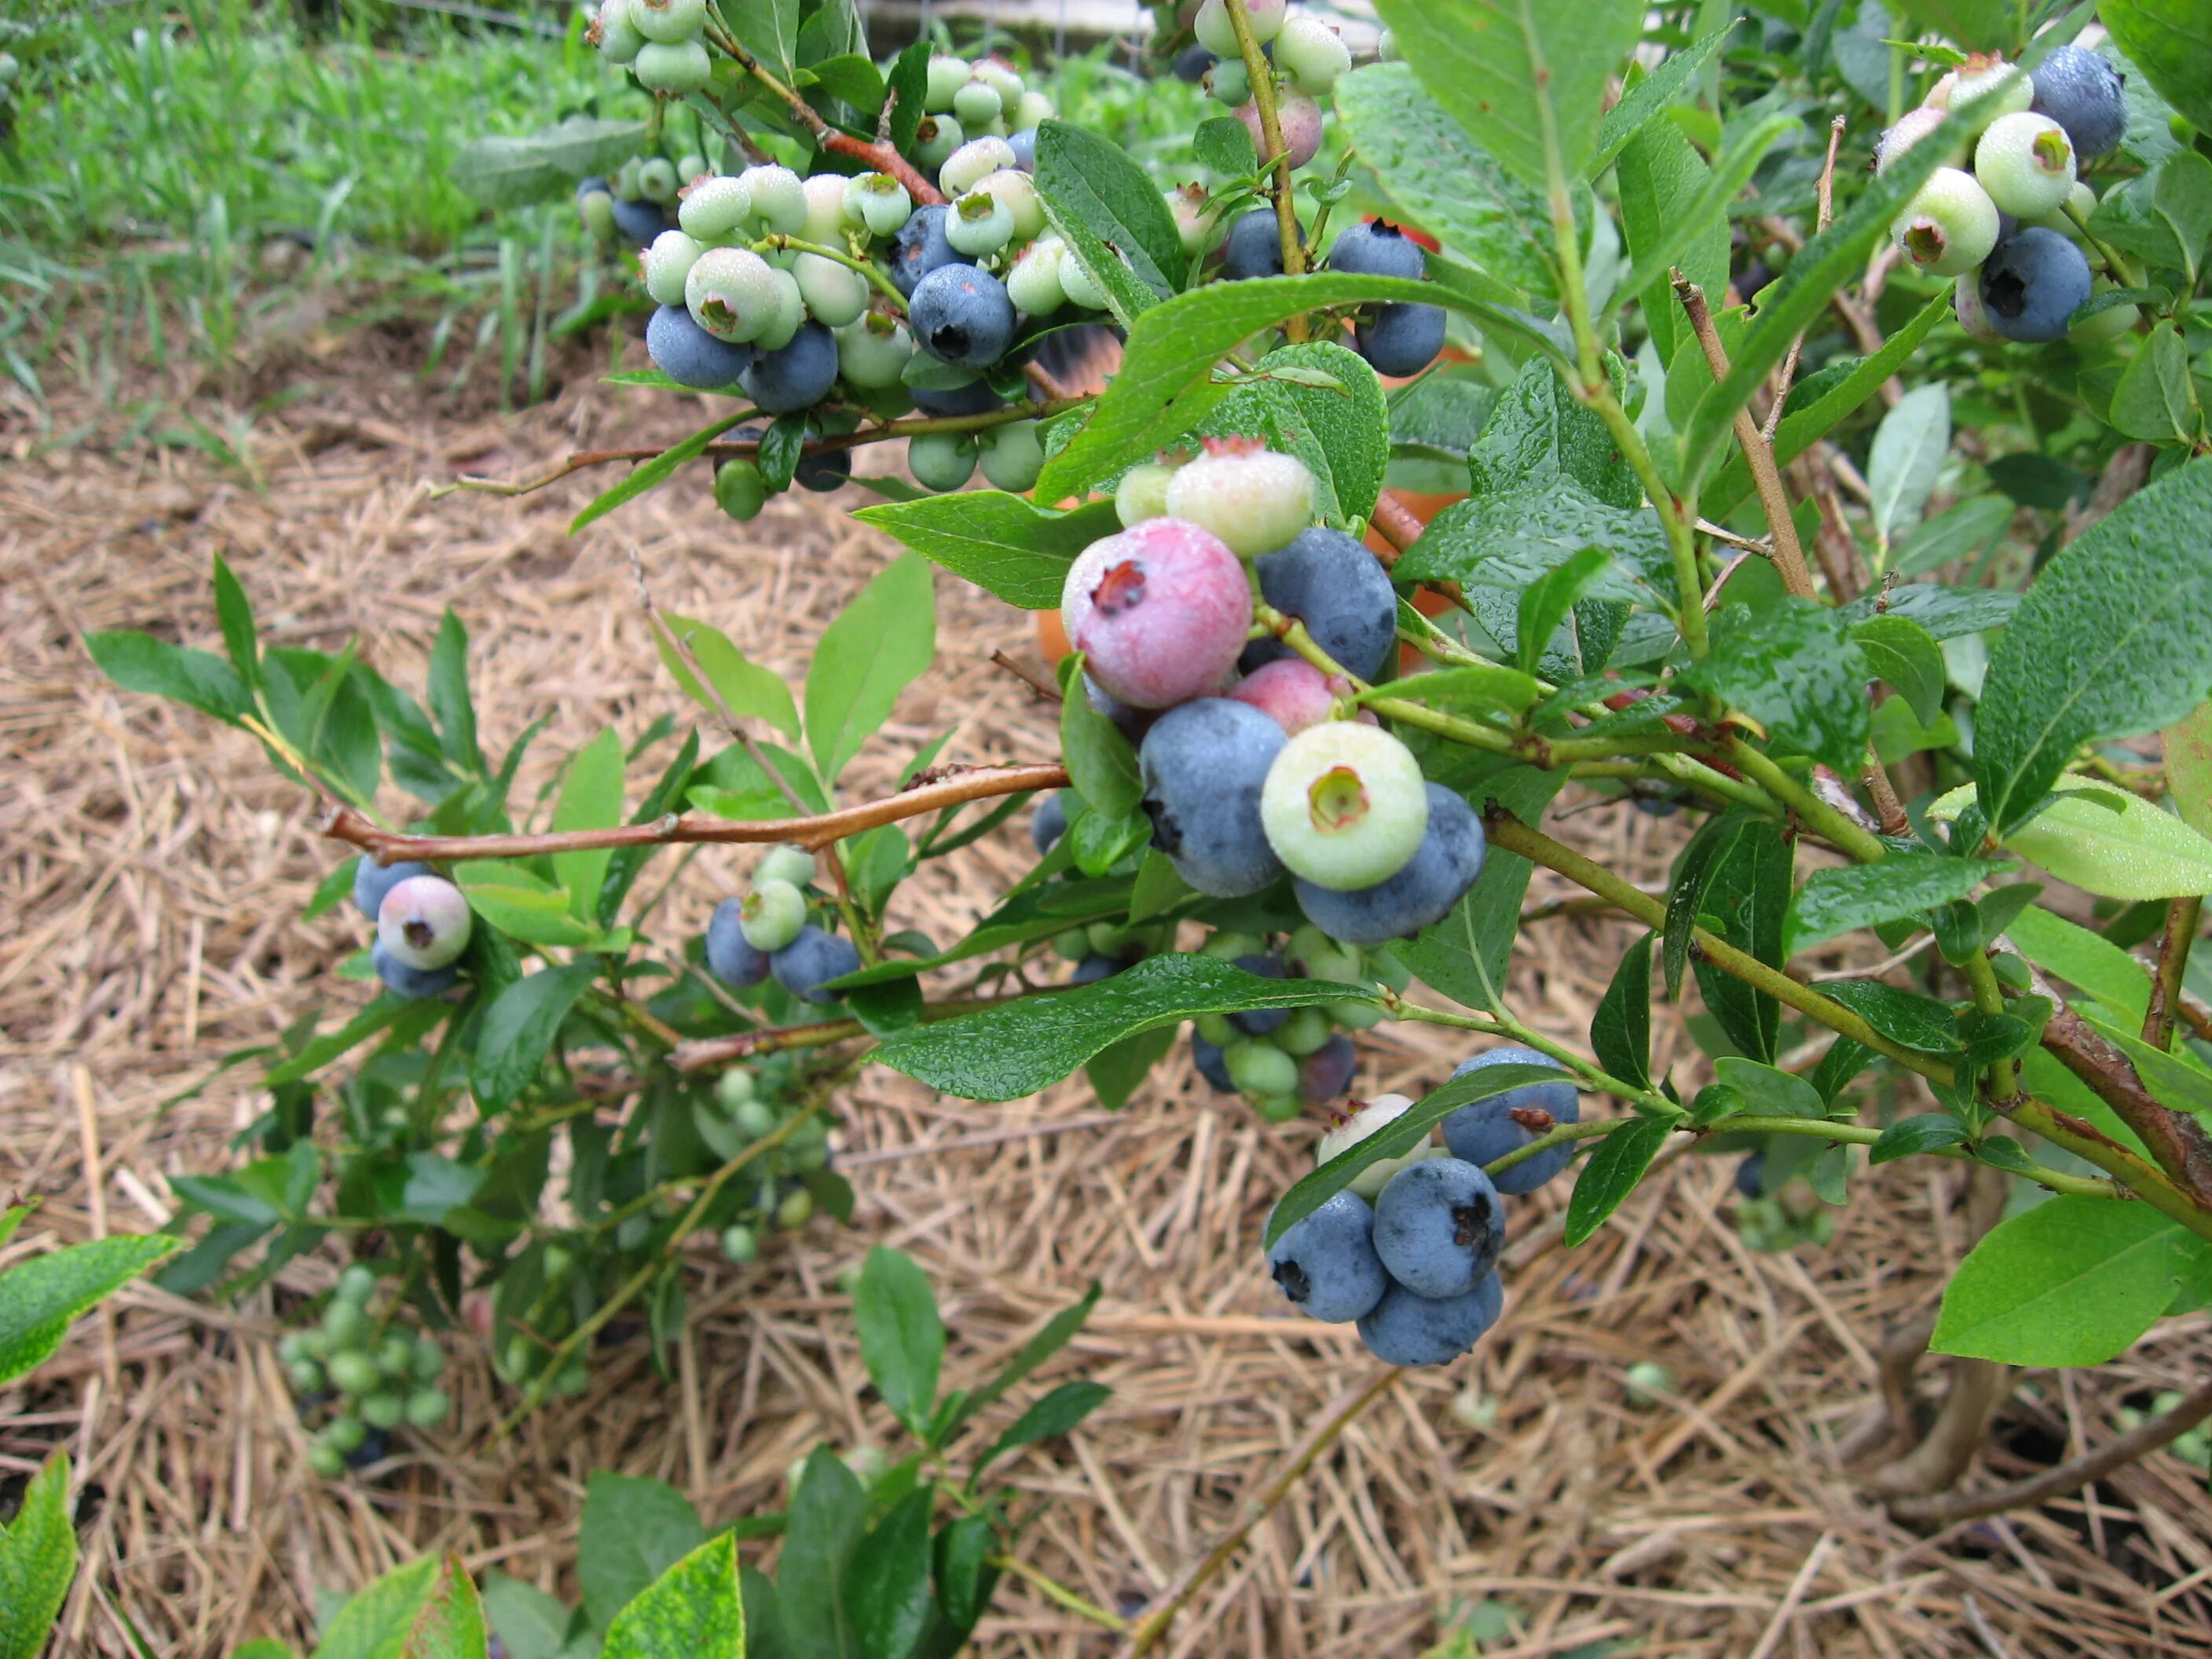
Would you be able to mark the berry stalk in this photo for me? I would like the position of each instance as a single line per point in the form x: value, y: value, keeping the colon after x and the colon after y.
x: 1262, y: 74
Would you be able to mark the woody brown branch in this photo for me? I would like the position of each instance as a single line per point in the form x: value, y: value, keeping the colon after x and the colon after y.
x: 813, y: 831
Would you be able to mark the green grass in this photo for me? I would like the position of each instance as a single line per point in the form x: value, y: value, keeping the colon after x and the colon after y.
x: 155, y: 151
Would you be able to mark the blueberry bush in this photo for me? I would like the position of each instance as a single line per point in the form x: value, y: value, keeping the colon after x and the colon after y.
x: 1641, y: 288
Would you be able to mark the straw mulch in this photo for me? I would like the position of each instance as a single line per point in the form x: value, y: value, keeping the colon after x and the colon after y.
x: 154, y: 872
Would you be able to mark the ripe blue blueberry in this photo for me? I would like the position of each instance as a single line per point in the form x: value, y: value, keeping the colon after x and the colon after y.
x: 825, y: 473
x: 960, y: 314
x: 1434, y: 880
x: 1253, y: 246
x: 1203, y: 765
x: 1326, y: 1263
x: 1327, y: 1071
x: 1048, y: 824
x: 1751, y: 1175
x: 1401, y: 339
x: 2085, y: 94
x: 688, y: 355
x: 1024, y: 145
x: 1439, y: 1227
x: 797, y: 376
x: 1373, y: 248
x: 372, y: 881
x: 804, y: 965
x: 2032, y: 285
x: 638, y: 222
x: 1486, y: 1130
x: 919, y: 248
x: 1340, y: 591
x: 1406, y: 1329
x: 976, y: 398
x: 1212, y: 1064
x: 1259, y: 1022
x: 729, y: 957
x: 408, y: 982
x: 1091, y: 969
x: 1192, y: 63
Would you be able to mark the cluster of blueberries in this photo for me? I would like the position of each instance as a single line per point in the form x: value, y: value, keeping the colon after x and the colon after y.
x: 1409, y: 1250
x: 765, y: 931
x: 752, y: 1115
x: 422, y: 924
x: 371, y: 1378
x: 2011, y: 231
x: 1252, y: 766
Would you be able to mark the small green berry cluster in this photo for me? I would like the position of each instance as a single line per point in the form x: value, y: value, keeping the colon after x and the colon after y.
x: 779, y: 1197
x: 2194, y: 1448
x: 1283, y: 1060
x: 367, y: 1374
x: 658, y: 41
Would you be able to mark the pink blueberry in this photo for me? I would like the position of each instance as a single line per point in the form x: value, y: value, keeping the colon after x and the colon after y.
x: 1160, y: 612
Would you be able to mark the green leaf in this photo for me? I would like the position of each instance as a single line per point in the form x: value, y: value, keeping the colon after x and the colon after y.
x: 1662, y: 175
x: 1686, y: 893
x: 1769, y: 1091
x: 1910, y: 1137
x: 1837, y: 900
x: 633, y: 1531
x: 387, y: 1012
x: 1007, y: 544
x: 41, y: 1298
x: 2171, y: 42
x: 1100, y: 763
x: 769, y: 30
x: 528, y: 1623
x: 1804, y: 425
x: 518, y: 1028
x: 902, y: 1338
x: 1961, y: 532
x: 198, y: 679
x: 888, y: 1595
x: 1337, y: 425
x: 1946, y: 613
x: 2188, y: 743
x: 1490, y: 687
x: 1007, y: 1053
x: 1909, y: 447
x: 2073, y: 1281
x: 828, y: 1512
x: 1118, y: 1070
x: 1223, y: 145
x: 878, y: 645
x: 1110, y: 213
x: 1621, y: 1031
x: 1546, y: 602
x: 1495, y: 64
x: 1097, y: 842
x: 1643, y: 103
x: 1794, y: 668
x: 1976, y: 25
x: 1409, y: 1129
x: 1056, y: 1414
x: 37, y: 1559
x: 691, y: 1610
x: 1612, y: 1173
x: 2155, y: 398
x: 591, y: 798
x: 744, y: 688
x: 1904, y: 1017
x: 648, y: 474
x: 1691, y: 215
x: 1516, y: 536
x: 2110, y: 642
x: 2176, y: 1081
x: 1904, y: 653
x: 1172, y: 350
x: 1745, y: 902
x: 1442, y: 180
x: 374, y: 1623
x: 450, y: 1622
x: 1827, y: 263
x: 524, y: 906
x: 543, y: 166
x: 2105, y: 840
x: 448, y: 694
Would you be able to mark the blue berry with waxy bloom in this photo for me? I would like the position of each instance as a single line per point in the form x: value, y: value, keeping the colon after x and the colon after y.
x: 811, y: 961
x: 1376, y: 249
x: 960, y: 315
x: 1327, y: 1071
x: 1325, y: 1262
x: 1212, y: 1064
x: 690, y: 355
x: 974, y: 397
x: 1091, y: 969
x: 797, y: 376
x: 1330, y: 582
x: 1751, y: 1176
x: 1400, y: 340
x: 823, y: 473
x: 372, y: 881
x: 406, y: 982
x: 1407, y: 1329
x: 2031, y: 286
x: 1203, y: 765
x: 1048, y: 824
x: 638, y: 222
x: 1434, y: 880
x: 1439, y: 1227
x: 919, y: 248
x: 1485, y: 1130
x: 729, y: 957
x: 2085, y: 94
x: 1253, y: 246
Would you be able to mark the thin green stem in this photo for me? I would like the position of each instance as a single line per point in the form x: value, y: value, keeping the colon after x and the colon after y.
x: 1676, y: 517
x: 1058, y: 1593
x: 1817, y: 815
x: 1261, y: 74
x: 2123, y: 272
x: 867, y: 268
x: 1989, y: 998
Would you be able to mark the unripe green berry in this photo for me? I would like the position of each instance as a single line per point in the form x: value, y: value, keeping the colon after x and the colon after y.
x: 1355, y: 1015
x: 941, y: 461
x: 1305, y: 1031
x: 1312, y: 54
x: 597, y: 209
x: 714, y: 210
x: 1080, y: 287
x: 977, y: 104
x: 1217, y: 1029
x: 1143, y: 493
x: 396, y: 1358
x: 668, y: 21
x: 978, y: 224
x: 946, y: 77
x: 734, y: 1088
x: 877, y: 202
x: 690, y: 166
x: 356, y: 1284
x: 2026, y: 163
x: 346, y: 1433
x: 740, y: 1244
x: 428, y: 1361
x: 1277, y: 1109
x: 772, y: 915
x: 384, y: 1411
x: 1034, y: 110
x: 293, y: 1350
x: 326, y: 1460
x: 779, y: 197
x: 1013, y: 456
x: 790, y: 313
x: 1226, y: 83
x: 1261, y: 1069
x: 740, y: 490
x: 939, y: 136
x: 345, y: 1322
x: 355, y: 1372
x: 755, y: 1118
x: 674, y: 70
x: 1034, y: 284
x: 834, y: 294
x: 1949, y: 226
x: 307, y: 1376
x: 620, y: 40
x: 1017, y: 193
x: 786, y: 863
x: 571, y: 1379
x: 666, y: 264
x: 796, y: 1209
x: 428, y: 1408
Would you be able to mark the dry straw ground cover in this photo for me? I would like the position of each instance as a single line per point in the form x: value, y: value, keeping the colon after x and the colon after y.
x: 152, y: 876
